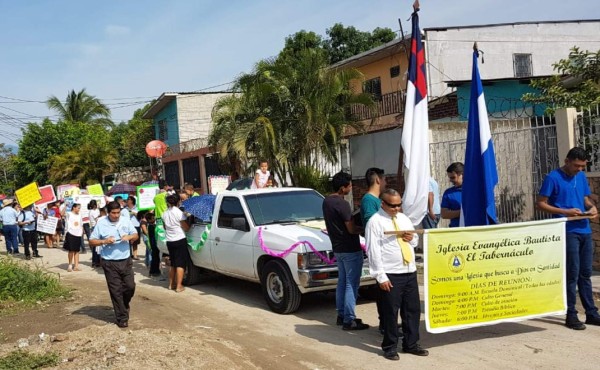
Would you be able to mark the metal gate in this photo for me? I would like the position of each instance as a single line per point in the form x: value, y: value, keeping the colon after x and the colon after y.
x: 526, y: 150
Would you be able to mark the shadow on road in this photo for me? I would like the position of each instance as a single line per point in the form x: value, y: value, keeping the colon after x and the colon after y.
x: 98, y: 312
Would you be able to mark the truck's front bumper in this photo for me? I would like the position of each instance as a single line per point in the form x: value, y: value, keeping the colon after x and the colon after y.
x: 327, y: 277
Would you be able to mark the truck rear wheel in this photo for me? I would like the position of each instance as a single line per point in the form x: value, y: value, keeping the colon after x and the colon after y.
x: 192, y: 273
x: 279, y: 289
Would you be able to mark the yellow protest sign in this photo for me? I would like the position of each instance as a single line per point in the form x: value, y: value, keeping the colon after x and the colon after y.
x: 95, y: 189
x: 28, y: 194
x: 485, y: 275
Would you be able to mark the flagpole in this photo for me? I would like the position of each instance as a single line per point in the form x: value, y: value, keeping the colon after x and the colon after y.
x: 400, y: 171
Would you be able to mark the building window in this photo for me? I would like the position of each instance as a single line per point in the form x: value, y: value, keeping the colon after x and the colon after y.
x: 163, y: 133
x: 394, y: 71
x: 522, y: 65
x: 373, y: 87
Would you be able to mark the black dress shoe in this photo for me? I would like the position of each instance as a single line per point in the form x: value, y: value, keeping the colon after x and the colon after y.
x: 574, y: 323
x: 123, y: 324
x: 391, y: 356
x: 593, y: 320
x: 37, y: 256
x: 339, y: 321
x: 355, y: 324
x: 416, y: 350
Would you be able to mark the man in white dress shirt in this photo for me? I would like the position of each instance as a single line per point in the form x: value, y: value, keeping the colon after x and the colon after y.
x: 392, y: 263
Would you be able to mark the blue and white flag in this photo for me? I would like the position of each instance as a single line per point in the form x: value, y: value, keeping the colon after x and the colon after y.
x: 415, y: 132
x: 480, y: 175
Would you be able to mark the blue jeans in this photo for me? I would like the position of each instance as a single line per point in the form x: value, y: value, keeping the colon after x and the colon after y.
x: 580, y: 251
x: 11, y: 235
x: 349, y: 271
x: 430, y: 223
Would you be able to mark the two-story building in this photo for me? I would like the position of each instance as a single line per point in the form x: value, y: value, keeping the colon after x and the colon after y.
x: 183, y: 121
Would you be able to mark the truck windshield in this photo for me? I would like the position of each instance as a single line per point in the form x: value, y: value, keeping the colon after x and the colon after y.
x: 293, y: 206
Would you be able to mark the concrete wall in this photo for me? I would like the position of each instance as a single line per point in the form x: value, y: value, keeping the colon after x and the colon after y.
x: 449, y: 51
x: 194, y: 114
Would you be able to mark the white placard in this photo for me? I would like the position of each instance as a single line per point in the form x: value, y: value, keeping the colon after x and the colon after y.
x: 47, y: 226
x: 218, y: 184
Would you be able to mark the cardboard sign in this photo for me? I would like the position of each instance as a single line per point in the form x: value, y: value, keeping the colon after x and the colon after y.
x: 48, y: 195
x: 95, y: 189
x: 84, y: 200
x: 47, y: 226
x: 217, y: 184
x: 28, y: 194
x: 67, y: 190
x: 145, y: 196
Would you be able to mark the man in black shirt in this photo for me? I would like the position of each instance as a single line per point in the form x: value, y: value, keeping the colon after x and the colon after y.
x: 346, y: 247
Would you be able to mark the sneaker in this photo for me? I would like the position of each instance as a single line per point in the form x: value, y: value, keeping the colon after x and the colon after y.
x: 355, y: 324
x: 123, y: 324
x: 37, y: 256
x: 593, y: 320
x: 416, y: 350
x: 574, y: 323
x: 391, y: 356
x: 27, y: 257
x: 339, y: 321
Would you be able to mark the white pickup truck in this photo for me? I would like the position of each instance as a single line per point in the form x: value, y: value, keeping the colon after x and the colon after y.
x: 250, y: 235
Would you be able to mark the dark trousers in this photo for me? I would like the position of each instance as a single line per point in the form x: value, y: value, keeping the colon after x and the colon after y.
x: 30, y: 240
x: 404, y: 296
x: 87, y: 231
x: 121, y: 285
x: 155, y: 262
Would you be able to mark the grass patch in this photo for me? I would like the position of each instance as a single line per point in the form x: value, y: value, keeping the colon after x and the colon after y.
x: 23, y: 286
x: 23, y: 360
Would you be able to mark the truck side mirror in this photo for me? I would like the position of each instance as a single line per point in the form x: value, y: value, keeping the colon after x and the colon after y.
x: 239, y: 223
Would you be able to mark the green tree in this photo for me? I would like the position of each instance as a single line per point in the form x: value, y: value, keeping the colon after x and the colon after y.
x: 345, y: 42
x: 576, y: 84
x: 81, y: 107
x: 85, y: 164
x: 42, y: 141
x: 133, y: 139
x: 7, y: 175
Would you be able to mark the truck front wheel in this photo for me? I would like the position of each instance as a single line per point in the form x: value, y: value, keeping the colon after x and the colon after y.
x: 278, y: 287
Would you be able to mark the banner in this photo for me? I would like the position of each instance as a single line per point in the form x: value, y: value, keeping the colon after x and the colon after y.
x: 47, y: 226
x: 485, y: 275
x: 145, y: 196
x: 66, y: 191
x: 48, y: 195
x: 28, y: 194
x: 95, y: 189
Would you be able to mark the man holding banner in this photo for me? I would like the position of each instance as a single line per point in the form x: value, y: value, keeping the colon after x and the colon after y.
x: 392, y: 263
x: 565, y: 193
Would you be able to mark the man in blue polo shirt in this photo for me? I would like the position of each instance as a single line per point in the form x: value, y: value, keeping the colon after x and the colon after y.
x: 565, y: 193
x: 452, y: 198
x: 113, y: 234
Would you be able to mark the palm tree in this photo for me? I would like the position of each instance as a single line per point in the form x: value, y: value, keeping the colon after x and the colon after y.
x: 290, y: 111
x: 81, y: 107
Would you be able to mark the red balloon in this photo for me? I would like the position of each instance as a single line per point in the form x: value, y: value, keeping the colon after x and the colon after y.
x: 156, y: 149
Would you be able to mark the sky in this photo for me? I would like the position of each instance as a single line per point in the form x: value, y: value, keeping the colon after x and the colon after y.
x: 129, y: 52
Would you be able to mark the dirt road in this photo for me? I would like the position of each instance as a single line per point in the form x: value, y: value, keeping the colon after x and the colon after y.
x: 225, y: 324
